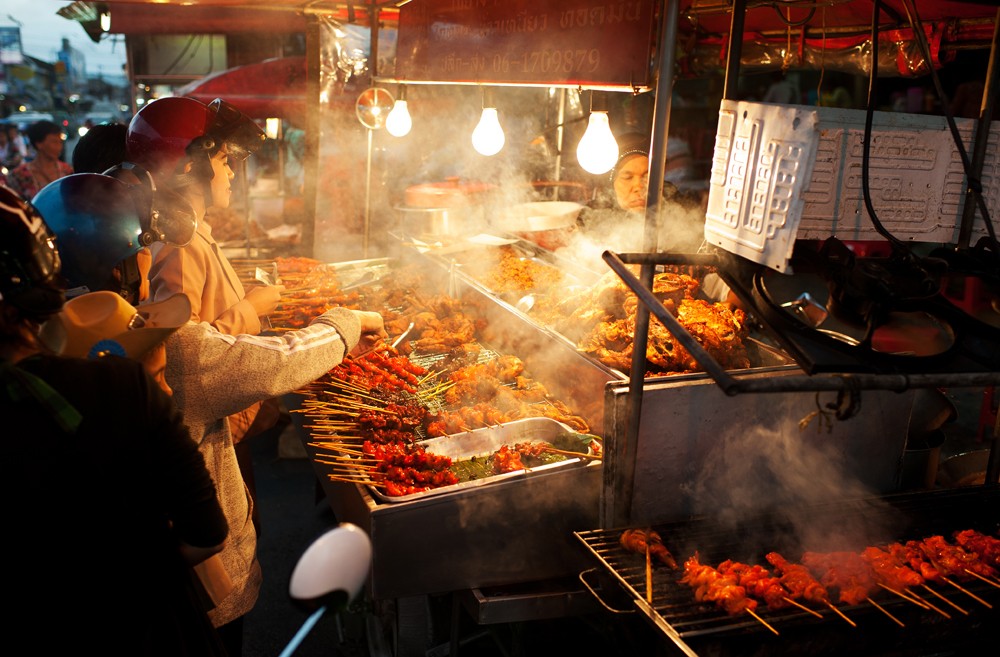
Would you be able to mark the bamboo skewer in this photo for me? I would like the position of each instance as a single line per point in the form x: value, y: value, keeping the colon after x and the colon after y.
x: 882, y: 609
x: 649, y: 572
x: 929, y: 604
x: 803, y: 607
x: 336, y: 446
x: 841, y: 614
x: 344, y: 462
x: 905, y: 596
x: 967, y: 592
x: 946, y: 599
x: 356, y: 480
x: 764, y: 622
x: 985, y: 579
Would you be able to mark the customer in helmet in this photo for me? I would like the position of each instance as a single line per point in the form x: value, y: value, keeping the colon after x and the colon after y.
x: 190, y: 148
x: 105, y: 493
x: 212, y: 374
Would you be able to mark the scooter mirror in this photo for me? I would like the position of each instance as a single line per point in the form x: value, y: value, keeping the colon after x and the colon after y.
x: 333, y: 569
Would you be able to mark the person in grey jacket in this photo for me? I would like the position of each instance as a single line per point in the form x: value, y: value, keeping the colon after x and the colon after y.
x: 212, y: 374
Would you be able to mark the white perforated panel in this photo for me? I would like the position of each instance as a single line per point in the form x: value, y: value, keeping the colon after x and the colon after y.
x: 915, y: 176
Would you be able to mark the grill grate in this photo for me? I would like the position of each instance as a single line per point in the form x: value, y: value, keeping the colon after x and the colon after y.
x: 877, y: 521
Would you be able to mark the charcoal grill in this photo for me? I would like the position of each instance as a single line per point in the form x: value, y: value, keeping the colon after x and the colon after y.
x: 700, y: 629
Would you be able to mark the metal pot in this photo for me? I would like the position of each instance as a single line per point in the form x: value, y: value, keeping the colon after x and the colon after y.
x: 546, y: 223
x: 443, y: 209
x: 449, y: 193
x: 439, y: 222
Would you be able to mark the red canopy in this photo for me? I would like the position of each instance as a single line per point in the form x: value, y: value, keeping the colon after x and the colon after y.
x: 271, y: 88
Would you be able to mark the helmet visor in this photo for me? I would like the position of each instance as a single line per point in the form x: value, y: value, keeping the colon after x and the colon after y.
x: 241, y: 135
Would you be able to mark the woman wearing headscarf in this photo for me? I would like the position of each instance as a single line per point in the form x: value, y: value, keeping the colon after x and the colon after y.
x: 618, y: 213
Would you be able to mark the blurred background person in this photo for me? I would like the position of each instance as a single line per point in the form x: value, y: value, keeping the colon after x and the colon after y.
x: 146, y: 511
x: 100, y: 149
x: 18, y: 147
x: 10, y: 154
x: 28, y: 178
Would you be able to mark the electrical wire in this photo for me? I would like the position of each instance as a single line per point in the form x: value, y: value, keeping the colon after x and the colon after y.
x: 898, y: 246
x: 183, y: 52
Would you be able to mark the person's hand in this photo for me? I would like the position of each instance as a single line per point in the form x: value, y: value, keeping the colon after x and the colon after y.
x: 372, y: 331
x: 264, y: 298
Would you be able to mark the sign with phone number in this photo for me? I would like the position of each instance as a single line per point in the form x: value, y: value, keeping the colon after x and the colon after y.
x: 581, y: 43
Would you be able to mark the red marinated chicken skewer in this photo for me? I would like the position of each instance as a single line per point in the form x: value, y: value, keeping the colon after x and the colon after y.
x: 801, y: 584
x: 761, y: 584
x: 711, y: 585
x: 987, y: 548
x: 890, y: 570
x: 758, y: 582
x: 952, y: 560
x: 635, y: 540
x: 845, y: 571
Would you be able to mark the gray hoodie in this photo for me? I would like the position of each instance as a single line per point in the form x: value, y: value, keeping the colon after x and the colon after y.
x: 213, y: 376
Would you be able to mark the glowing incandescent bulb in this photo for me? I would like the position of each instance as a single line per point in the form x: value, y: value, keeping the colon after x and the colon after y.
x: 488, y: 136
x: 399, y: 123
x: 597, y: 151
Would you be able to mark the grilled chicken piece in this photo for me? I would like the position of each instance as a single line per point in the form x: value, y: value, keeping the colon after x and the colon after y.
x: 636, y: 540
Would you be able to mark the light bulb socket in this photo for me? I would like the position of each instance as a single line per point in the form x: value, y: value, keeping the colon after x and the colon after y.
x: 598, y: 101
x: 488, y: 98
x: 401, y: 92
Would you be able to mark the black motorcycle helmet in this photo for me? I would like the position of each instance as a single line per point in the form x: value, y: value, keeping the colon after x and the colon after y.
x: 29, y: 261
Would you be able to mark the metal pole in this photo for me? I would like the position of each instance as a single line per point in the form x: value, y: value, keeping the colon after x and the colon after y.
x: 735, y: 51
x: 982, y: 137
x: 661, y: 121
x: 368, y: 196
x: 560, y: 130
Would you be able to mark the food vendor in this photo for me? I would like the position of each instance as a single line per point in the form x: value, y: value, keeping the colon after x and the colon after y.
x: 618, y: 214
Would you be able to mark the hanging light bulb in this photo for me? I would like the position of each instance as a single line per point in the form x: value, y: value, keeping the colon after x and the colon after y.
x: 488, y: 137
x: 399, y: 123
x: 597, y: 151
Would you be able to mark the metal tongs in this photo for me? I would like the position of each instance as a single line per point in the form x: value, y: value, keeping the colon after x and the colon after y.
x: 402, y: 336
x: 393, y: 344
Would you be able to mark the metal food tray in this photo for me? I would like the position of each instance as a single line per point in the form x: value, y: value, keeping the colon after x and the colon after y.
x: 485, y: 441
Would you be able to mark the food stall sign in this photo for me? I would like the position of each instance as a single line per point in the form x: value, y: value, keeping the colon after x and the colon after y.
x: 586, y: 43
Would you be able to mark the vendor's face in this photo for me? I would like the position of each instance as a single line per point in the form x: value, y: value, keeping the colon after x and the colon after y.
x: 631, y: 183
x: 221, y: 179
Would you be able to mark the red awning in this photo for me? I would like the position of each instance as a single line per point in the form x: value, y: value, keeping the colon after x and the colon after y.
x: 272, y: 88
